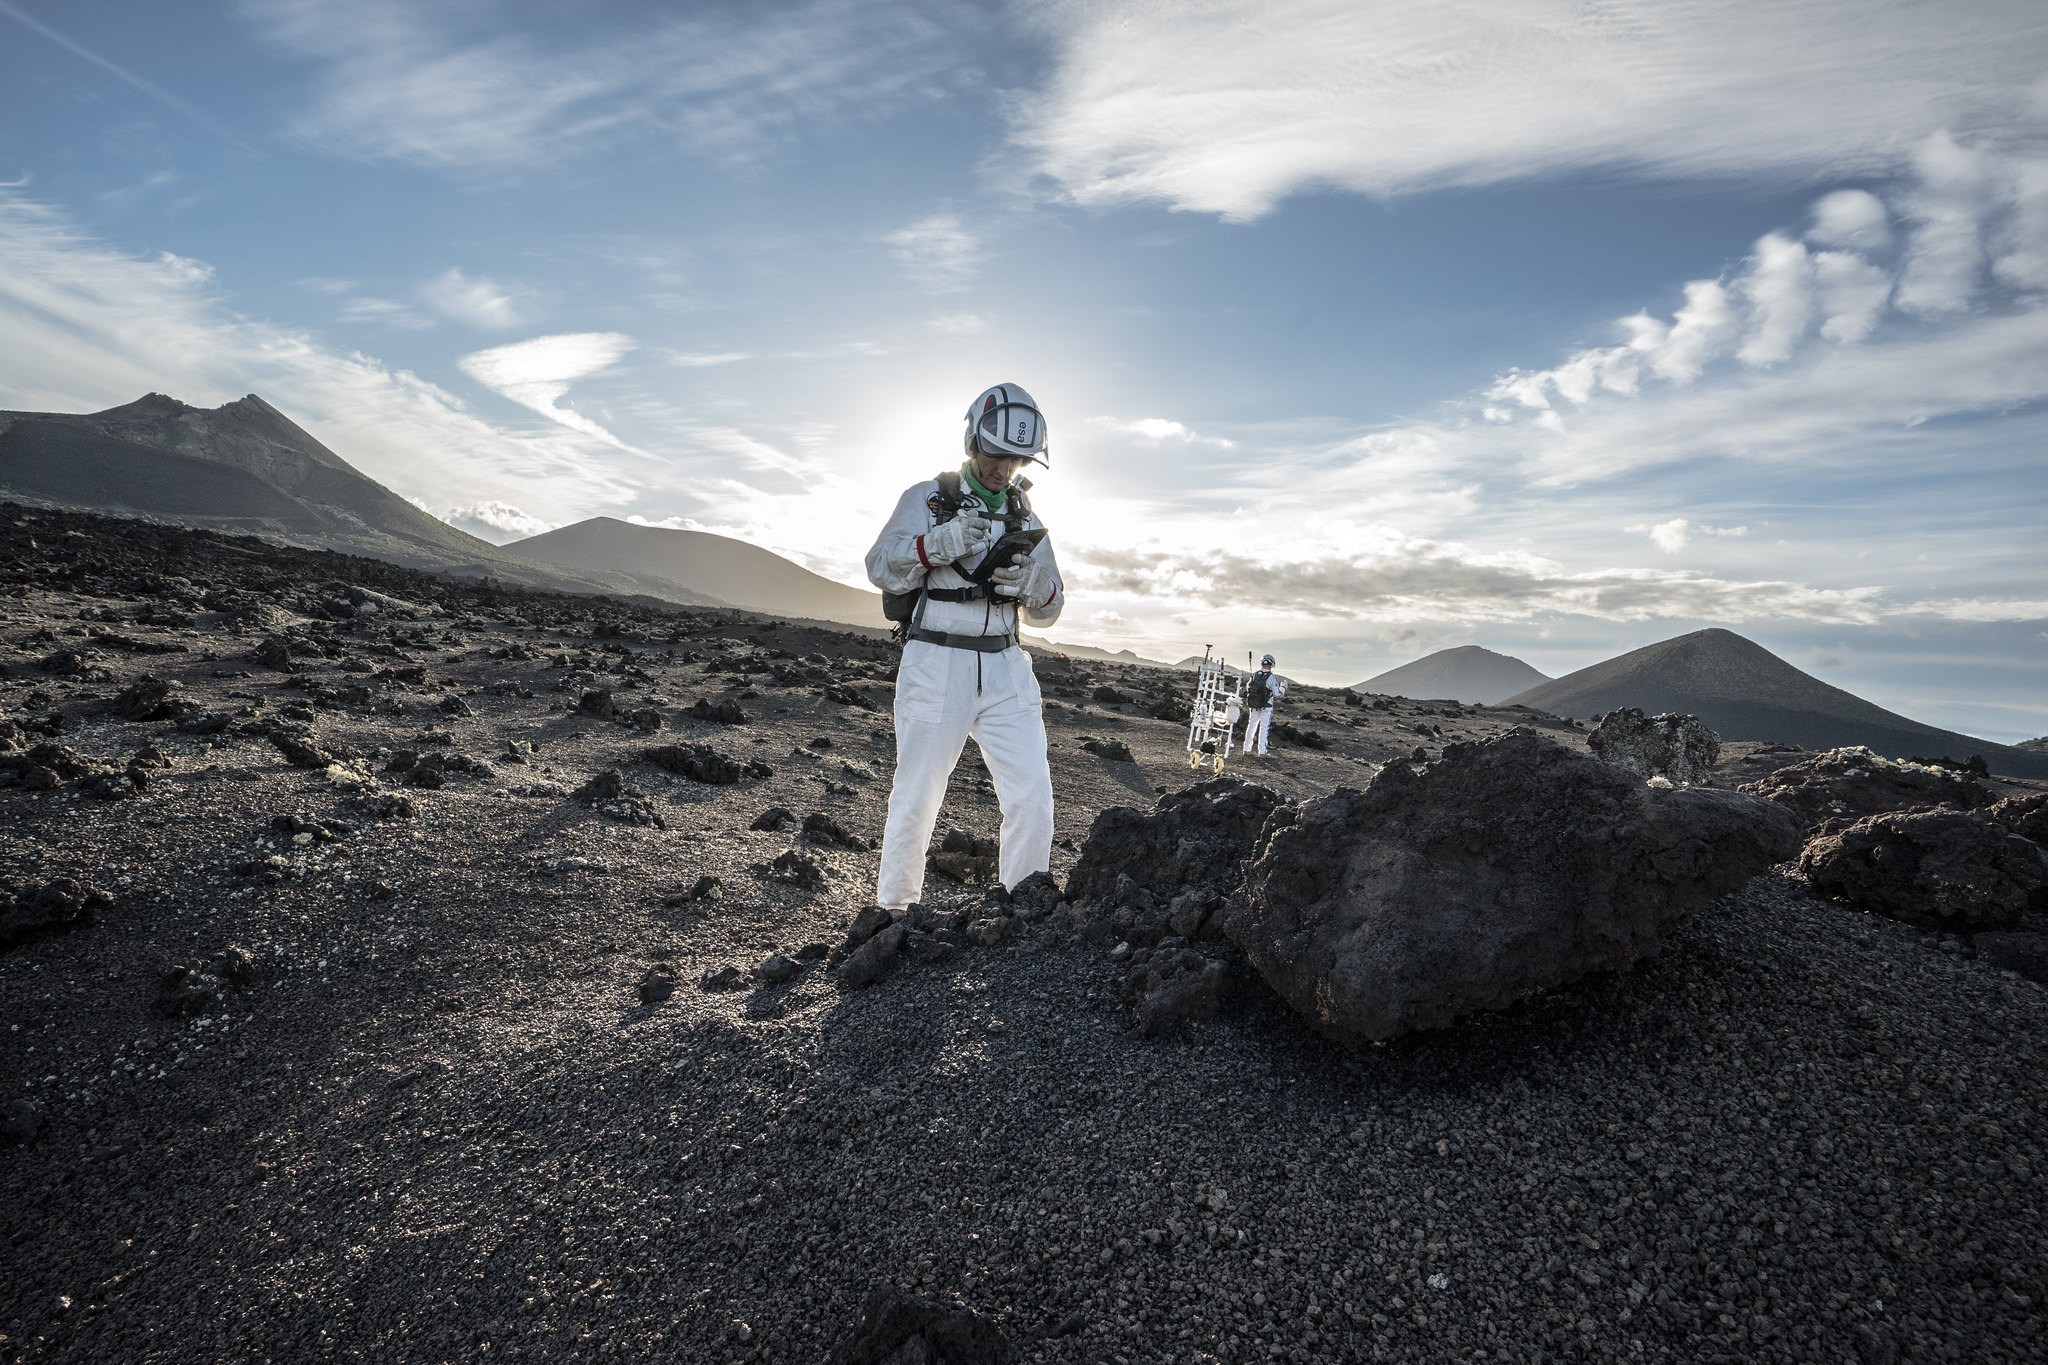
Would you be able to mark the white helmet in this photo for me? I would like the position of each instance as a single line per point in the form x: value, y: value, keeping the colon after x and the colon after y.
x: 1266, y: 662
x: 1005, y: 421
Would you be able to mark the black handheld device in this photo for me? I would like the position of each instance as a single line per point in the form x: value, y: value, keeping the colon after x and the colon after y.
x: 1000, y: 553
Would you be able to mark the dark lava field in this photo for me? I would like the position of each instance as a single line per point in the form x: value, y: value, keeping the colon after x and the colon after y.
x: 365, y: 998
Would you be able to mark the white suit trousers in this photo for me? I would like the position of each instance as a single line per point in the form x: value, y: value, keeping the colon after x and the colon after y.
x: 1256, y: 730
x: 938, y: 705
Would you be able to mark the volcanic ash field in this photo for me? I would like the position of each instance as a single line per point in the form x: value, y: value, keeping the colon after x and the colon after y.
x: 400, y: 970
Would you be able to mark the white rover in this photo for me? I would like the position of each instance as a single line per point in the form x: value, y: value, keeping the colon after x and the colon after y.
x: 1218, y: 706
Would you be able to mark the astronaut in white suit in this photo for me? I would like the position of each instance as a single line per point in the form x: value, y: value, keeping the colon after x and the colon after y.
x: 963, y: 670
x: 1265, y: 688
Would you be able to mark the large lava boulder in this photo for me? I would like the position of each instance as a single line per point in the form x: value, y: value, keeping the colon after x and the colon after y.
x: 1677, y: 748
x: 1848, y: 784
x: 1504, y: 868
x: 1944, y: 866
x: 1195, y: 837
x: 2026, y: 816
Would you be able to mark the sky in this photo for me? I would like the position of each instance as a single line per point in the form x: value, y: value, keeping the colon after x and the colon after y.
x: 1361, y: 330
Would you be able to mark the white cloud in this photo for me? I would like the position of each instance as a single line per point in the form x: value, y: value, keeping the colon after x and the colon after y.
x: 2022, y: 240
x: 1853, y: 294
x: 537, y: 373
x: 1779, y: 290
x: 497, y: 522
x: 669, y: 523
x: 1700, y: 332
x: 1945, y: 251
x: 84, y: 326
x: 697, y: 360
x: 384, y: 313
x: 1413, y: 579
x: 938, y: 252
x: 1851, y: 218
x: 1158, y: 430
x: 479, y: 301
x: 489, y: 87
x: 1674, y: 535
x: 1230, y: 106
x: 1668, y: 536
x: 1763, y: 317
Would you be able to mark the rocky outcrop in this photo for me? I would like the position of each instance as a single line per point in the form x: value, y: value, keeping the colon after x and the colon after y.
x: 1675, y: 747
x: 1848, y: 784
x: 1170, y: 985
x: 1192, y: 838
x: 1504, y: 868
x: 964, y: 857
x: 1945, y: 866
x: 2026, y: 816
x: 57, y: 905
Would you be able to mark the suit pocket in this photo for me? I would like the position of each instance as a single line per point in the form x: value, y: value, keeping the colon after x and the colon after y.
x: 921, y: 684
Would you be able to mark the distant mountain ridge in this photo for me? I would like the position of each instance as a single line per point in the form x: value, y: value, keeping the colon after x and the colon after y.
x: 1468, y: 673
x: 698, y: 561
x: 246, y: 468
x: 1743, y: 691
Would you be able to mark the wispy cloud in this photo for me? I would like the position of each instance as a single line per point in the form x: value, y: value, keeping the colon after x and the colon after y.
x: 1805, y: 342
x: 938, y: 253
x: 1674, y: 535
x: 1421, y: 580
x: 1237, y: 104
x: 385, y: 312
x: 127, y: 77
x: 537, y: 373
x: 478, y: 300
x: 494, y: 87
x: 1159, y: 429
x: 698, y: 360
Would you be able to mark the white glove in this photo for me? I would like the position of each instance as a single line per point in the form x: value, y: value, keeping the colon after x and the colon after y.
x: 1030, y: 580
x: 963, y: 537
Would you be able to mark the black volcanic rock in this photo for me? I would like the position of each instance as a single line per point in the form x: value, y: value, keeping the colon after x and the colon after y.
x: 57, y: 905
x: 1676, y: 748
x: 964, y: 857
x: 1941, y: 866
x: 2026, y: 816
x: 301, y: 753
x: 1848, y: 784
x: 720, y: 712
x: 146, y: 699
x: 1115, y: 750
x: 698, y: 762
x: 1504, y: 868
x: 1192, y: 838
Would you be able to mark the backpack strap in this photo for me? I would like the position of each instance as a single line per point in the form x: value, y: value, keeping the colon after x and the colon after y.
x: 947, y: 502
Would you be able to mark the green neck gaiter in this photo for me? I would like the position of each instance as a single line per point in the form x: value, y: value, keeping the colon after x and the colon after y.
x: 992, y: 500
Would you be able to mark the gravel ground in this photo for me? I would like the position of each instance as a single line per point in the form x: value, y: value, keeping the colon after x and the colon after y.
x: 439, y: 1124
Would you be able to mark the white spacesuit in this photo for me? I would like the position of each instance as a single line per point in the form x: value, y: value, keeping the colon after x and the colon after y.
x: 963, y: 672
x: 1260, y: 724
